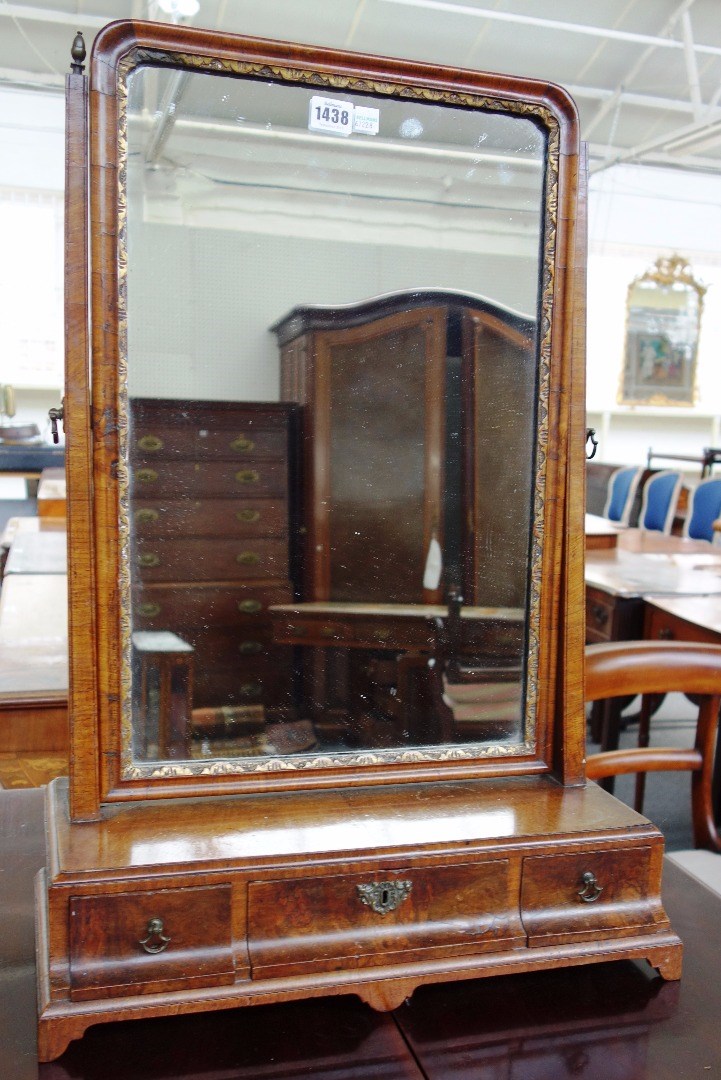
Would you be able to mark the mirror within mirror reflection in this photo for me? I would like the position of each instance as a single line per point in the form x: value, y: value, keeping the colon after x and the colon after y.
x: 331, y: 384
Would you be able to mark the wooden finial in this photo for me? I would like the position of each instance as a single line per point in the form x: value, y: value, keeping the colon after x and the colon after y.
x: 78, y: 53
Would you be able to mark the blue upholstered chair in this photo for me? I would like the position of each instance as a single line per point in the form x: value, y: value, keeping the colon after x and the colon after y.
x: 622, y: 486
x: 660, y: 496
x: 704, y: 506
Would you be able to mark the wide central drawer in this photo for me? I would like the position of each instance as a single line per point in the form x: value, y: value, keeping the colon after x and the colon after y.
x: 194, y: 559
x: 371, y: 919
x: 142, y: 942
x: 152, y: 479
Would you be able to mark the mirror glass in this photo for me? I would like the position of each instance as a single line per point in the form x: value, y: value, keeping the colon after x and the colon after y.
x: 331, y: 312
x: 663, y: 323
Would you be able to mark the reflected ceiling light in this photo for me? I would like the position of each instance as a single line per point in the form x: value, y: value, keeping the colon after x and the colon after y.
x: 179, y: 9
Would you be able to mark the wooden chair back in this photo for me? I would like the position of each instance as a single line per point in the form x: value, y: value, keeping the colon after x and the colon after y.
x: 628, y: 668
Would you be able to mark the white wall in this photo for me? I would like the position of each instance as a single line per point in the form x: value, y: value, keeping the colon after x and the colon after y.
x: 635, y: 215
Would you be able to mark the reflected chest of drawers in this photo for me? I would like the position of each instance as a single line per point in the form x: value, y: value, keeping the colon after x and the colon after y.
x: 209, y: 513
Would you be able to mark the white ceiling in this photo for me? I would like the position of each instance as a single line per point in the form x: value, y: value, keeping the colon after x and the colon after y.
x: 646, y: 74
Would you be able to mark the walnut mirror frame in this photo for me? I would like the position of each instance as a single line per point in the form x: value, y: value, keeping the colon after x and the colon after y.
x: 118, y: 545
x: 371, y: 874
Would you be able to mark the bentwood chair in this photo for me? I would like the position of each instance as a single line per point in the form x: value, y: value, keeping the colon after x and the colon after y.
x: 622, y: 488
x: 650, y: 668
x: 703, y: 509
x: 658, y: 504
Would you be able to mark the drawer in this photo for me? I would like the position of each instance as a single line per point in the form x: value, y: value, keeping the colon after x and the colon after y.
x: 224, y: 674
x: 167, y: 607
x: 152, y: 479
x: 195, y: 559
x: 326, y: 923
x: 145, y: 942
x: 566, y: 898
x: 599, y: 616
x: 209, y: 517
x: 164, y: 442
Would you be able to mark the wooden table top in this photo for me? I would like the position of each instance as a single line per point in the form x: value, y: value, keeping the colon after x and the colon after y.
x: 645, y: 563
x: 605, y: 1020
x: 601, y: 533
x: 34, y: 634
x: 40, y: 552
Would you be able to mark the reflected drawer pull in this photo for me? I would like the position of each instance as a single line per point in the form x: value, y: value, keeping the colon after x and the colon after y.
x: 145, y: 516
x: 249, y: 607
x: 247, y: 558
x: 149, y: 610
x: 381, y: 635
x: 384, y: 896
x: 150, y: 442
x: 251, y: 648
x: 149, y: 559
x: 146, y: 476
x: 248, y: 515
x: 242, y: 443
x: 250, y: 689
x: 247, y: 476
x: 155, y: 940
x: 590, y: 889
x: 297, y: 631
x: 327, y: 631
x: 666, y: 633
x: 600, y: 614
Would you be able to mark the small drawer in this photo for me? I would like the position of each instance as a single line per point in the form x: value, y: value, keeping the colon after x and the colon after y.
x: 599, y: 616
x: 146, y: 942
x: 209, y: 517
x: 195, y: 559
x: 157, y: 481
x: 321, y: 924
x: 195, y: 442
x: 168, y: 607
x: 566, y: 898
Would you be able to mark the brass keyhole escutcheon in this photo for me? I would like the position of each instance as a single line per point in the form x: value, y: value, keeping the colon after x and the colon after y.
x: 155, y: 941
x: 590, y: 889
x: 384, y: 896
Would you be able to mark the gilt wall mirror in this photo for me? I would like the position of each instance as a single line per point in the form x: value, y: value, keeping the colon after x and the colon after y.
x: 663, y: 323
x: 334, y: 384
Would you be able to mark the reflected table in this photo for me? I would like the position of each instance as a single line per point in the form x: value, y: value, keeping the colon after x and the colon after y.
x: 614, y: 1021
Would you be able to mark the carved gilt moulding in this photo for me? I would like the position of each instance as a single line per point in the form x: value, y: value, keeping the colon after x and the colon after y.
x: 132, y: 770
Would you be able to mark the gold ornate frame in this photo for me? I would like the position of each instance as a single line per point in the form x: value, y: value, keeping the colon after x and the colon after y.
x: 660, y: 353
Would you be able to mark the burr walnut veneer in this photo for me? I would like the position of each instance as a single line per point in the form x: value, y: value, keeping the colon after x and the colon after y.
x: 176, y: 885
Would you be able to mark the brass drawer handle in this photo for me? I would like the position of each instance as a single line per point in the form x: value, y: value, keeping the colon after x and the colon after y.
x: 381, y: 635
x: 242, y: 444
x: 146, y: 476
x: 155, y: 940
x: 249, y: 607
x: 145, y: 516
x: 666, y: 633
x: 384, y: 896
x: 247, y: 558
x: 247, y: 476
x: 149, y: 559
x: 590, y: 889
x: 150, y: 442
x: 251, y: 689
x: 327, y: 631
x: 297, y: 631
x: 600, y: 614
x: 247, y: 515
x: 250, y: 648
x: 149, y: 610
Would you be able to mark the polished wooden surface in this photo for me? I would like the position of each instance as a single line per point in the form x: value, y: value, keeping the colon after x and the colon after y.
x: 683, y: 618
x: 606, y: 1020
x: 601, y: 534
x: 52, y: 494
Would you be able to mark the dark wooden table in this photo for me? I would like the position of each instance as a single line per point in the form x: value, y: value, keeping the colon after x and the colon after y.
x: 613, y: 1021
